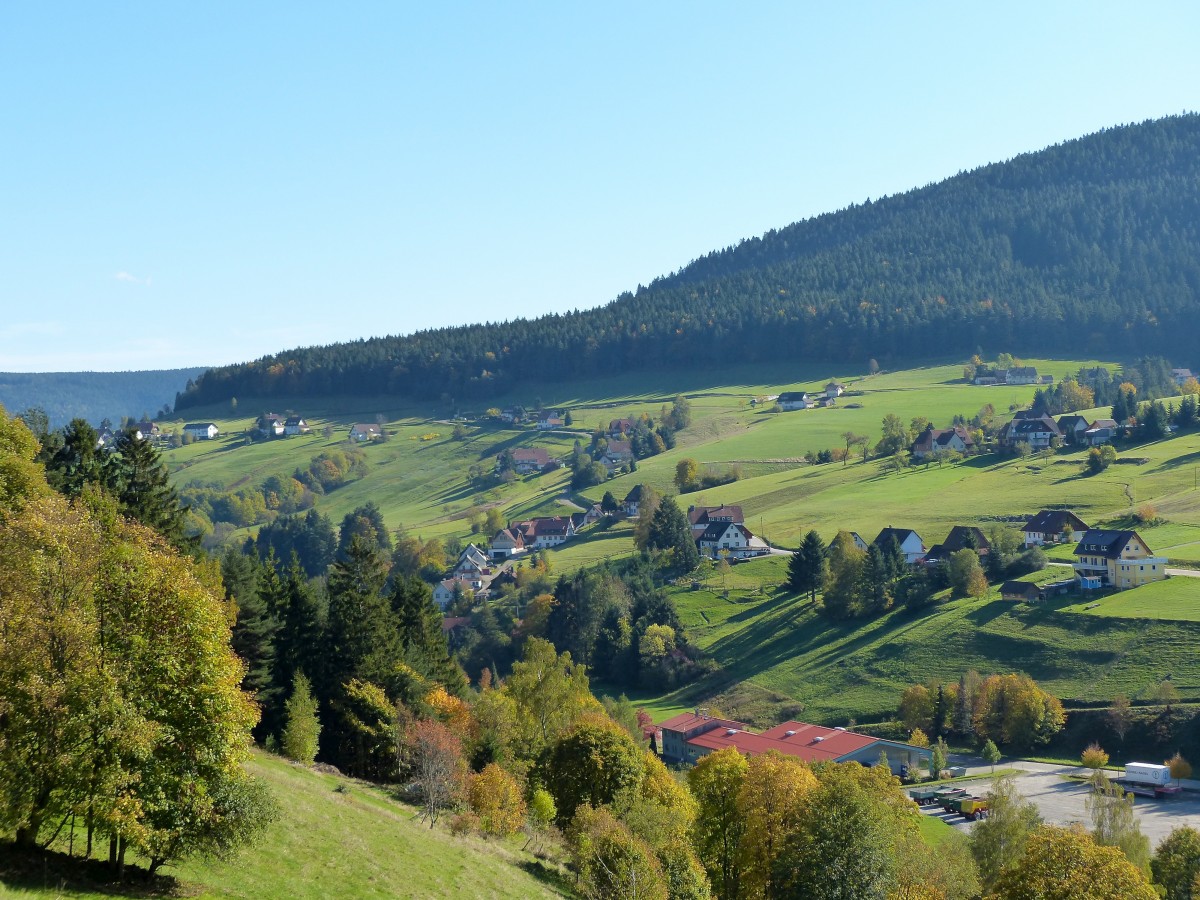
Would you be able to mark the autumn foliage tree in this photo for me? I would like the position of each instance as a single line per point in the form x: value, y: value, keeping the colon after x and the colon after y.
x: 496, y: 798
x: 1065, y: 863
x: 771, y: 800
x: 438, y: 766
x: 120, y: 697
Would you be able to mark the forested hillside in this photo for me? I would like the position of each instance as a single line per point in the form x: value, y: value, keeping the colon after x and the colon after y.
x: 1091, y: 246
x: 93, y: 395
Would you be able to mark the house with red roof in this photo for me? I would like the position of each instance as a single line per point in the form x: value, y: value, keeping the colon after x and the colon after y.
x: 689, y: 736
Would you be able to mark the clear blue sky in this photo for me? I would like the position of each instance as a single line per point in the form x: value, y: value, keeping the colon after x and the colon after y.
x: 211, y: 182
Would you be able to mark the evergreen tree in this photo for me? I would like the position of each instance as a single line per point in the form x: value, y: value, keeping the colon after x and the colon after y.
x: 143, y: 489
x: 250, y: 586
x: 807, y: 567
x: 303, y: 729
x: 361, y: 638
x: 670, y: 530
x: 419, y: 623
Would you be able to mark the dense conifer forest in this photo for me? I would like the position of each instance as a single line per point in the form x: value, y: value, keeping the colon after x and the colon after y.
x: 1087, y: 247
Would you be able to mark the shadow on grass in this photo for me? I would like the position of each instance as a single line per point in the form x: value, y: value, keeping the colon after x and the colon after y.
x: 549, y: 875
x: 50, y: 871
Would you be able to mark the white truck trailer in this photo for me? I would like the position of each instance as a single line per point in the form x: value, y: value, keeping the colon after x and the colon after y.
x: 1148, y: 780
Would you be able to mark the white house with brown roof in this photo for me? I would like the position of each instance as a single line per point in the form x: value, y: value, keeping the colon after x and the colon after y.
x: 546, y: 531
x: 507, y: 542
x: 364, y: 431
x: 527, y: 460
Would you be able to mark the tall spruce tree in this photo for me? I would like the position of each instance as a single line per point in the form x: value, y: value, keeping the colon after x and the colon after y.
x: 250, y: 585
x: 143, y: 489
x: 361, y: 638
x: 419, y: 623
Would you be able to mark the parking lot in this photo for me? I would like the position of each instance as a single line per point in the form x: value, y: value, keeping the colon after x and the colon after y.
x: 1062, y: 802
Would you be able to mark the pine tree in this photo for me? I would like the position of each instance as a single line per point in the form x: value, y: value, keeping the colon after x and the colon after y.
x: 303, y: 729
x: 248, y: 584
x: 143, y: 489
x: 361, y: 638
x: 419, y: 622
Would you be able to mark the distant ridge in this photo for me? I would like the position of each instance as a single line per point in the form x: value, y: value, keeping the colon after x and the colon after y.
x: 1087, y: 247
x: 93, y: 395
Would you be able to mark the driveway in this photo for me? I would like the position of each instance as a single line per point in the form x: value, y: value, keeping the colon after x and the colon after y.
x: 1062, y: 802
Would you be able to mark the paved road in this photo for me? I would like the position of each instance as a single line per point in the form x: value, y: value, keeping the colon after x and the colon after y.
x: 1062, y: 802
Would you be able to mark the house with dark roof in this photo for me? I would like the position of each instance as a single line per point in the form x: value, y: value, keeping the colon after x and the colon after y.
x: 1038, y: 433
x: 732, y: 539
x: 294, y: 425
x: 1025, y: 591
x: 549, y: 420
x: 834, y: 389
x: 201, y: 431
x: 1181, y: 375
x: 936, y: 441
x: 1102, y: 431
x: 790, y: 400
x: 700, y: 517
x: 632, y: 502
x: 546, y: 531
x: 363, y: 432
x: 618, y: 427
x: 1053, y: 526
x: 1021, y: 375
x: 688, y: 737
x: 906, y: 539
x: 961, y: 537
x: 1119, y: 559
x: 1073, y: 427
x: 147, y: 431
x: 506, y: 543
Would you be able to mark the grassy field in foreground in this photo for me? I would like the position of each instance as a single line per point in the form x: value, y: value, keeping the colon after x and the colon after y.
x: 780, y: 656
x: 346, y: 844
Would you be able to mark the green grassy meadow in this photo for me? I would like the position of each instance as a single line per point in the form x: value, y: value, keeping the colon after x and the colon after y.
x: 356, y: 842
x: 419, y: 476
x: 776, y: 651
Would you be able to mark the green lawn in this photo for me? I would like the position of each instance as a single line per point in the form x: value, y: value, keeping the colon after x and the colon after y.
x: 356, y: 843
x: 777, y: 653
x: 1177, y: 598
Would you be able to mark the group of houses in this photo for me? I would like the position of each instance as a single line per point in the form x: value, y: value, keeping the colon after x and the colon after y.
x: 154, y: 433
x: 791, y: 400
x: 1015, y: 375
x: 1040, y: 430
x: 688, y: 737
x: 273, y: 425
x: 1103, y: 558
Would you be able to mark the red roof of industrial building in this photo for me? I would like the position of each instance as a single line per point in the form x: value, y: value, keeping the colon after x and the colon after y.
x: 814, y: 743
x: 685, y: 722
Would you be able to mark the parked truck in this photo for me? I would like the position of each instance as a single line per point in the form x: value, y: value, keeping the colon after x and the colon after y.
x: 1147, y: 780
